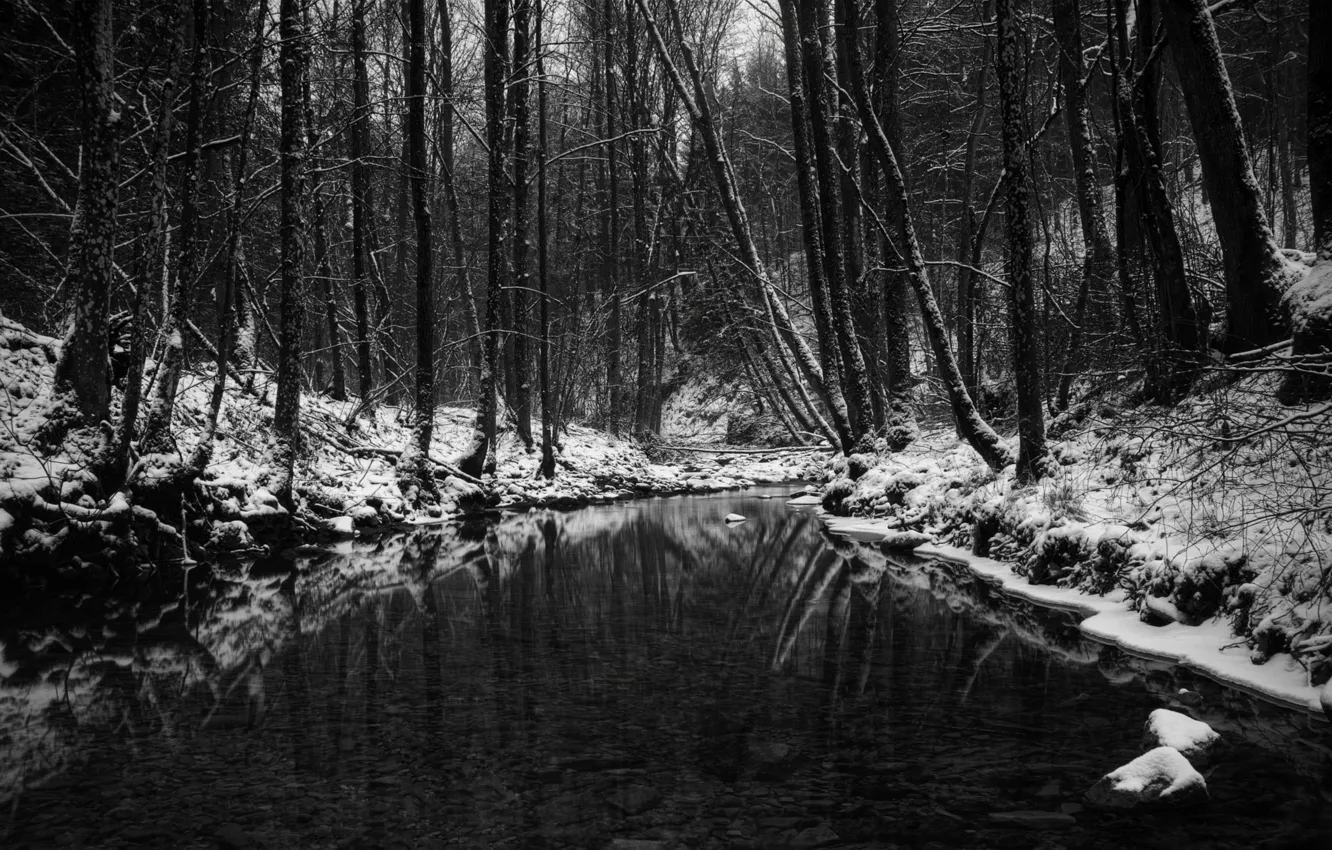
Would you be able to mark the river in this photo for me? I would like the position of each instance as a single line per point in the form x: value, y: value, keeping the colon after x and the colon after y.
x: 639, y: 672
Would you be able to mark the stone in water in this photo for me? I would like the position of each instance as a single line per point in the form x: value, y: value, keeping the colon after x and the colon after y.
x: 1166, y: 728
x: 1160, y: 776
x: 734, y: 518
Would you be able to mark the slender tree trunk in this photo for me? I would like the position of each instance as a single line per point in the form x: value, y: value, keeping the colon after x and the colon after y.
x: 149, y: 261
x: 1010, y: 53
x: 900, y: 424
x: 362, y: 200
x: 816, y: 266
x: 82, y: 373
x: 1254, y: 269
x: 1099, y: 260
x: 287, y: 406
x: 546, y: 469
x: 226, y: 311
x: 611, y: 269
x: 973, y: 428
x: 1180, y: 329
x: 820, y: 70
x: 415, y: 461
x: 700, y: 114
x: 522, y: 237
x: 1311, y: 324
x: 480, y: 455
x: 966, y: 286
x: 446, y: 144
x: 156, y: 431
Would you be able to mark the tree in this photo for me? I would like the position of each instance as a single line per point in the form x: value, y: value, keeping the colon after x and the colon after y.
x: 1099, y: 259
x: 292, y: 58
x: 1021, y: 297
x: 480, y: 454
x: 82, y: 373
x: 362, y: 199
x: 1312, y: 324
x: 1255, y: 272
x: 415, y: 460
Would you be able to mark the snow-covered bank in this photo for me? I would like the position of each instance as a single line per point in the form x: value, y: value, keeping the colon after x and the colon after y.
x: 54, y: 510
x: 1197, y: 535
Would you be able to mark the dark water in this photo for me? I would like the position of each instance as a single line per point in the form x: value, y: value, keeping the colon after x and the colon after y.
x: 636, y: 672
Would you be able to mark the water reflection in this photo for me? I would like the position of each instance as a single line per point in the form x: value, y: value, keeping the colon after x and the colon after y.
x: 641, y: 670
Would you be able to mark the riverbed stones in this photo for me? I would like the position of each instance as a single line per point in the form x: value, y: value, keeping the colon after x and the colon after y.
x: 814, y: 836
x: 635, y: 799
x: 1160, y: 776
x: 1033, y: 819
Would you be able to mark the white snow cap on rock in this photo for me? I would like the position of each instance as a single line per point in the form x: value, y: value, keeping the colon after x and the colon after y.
x: 734, y: 518
x: 1166, y: 728
x: 1162, y: 775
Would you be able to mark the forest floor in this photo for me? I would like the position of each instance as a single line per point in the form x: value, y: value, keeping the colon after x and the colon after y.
x: 345, y: 479
x: 1189, y: 529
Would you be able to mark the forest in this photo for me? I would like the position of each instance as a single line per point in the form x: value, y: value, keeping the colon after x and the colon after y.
x: 856, y: 218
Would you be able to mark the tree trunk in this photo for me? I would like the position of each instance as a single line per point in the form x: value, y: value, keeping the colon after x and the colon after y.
x: 816, y: 266
x: 974, y: 429
x: 899, y: 422
x: 1174, y: 356
x: 156, y: 431
x: 700, y: 115
x: 1313, y: 326
x: 287, y: 406
x: 415, y: 461
x: 149, y: 262
x: 967, y: 237
x: 226, y: 311
x: 1010, y: 55
x: 820, y: 71
x: 1253, y: 266
x: 1099, y: 260
x: 522, y: 247
x: 362, y: 200
x: 479, y: 455
x: 546, y: 469
x: 82, y: 373
x: 451, y: 188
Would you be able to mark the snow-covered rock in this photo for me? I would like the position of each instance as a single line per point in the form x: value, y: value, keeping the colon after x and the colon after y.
x: 734, y: 518
x: 904, y: 540
x: 342, y: 526
x: 230, y: 536
x: 1193, y: 738
x: 1162, y: 775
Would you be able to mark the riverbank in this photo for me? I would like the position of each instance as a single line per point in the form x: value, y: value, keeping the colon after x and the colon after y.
x: 1197, y: 533
x: 53, y: 510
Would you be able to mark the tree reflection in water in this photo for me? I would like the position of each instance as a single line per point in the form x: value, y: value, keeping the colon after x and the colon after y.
x: 511, y: 675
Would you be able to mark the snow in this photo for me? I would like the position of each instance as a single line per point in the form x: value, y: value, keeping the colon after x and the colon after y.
x: 1166, y: 728
x: 1159, y: 775
x: 345, y: 473
x: 734, y: 518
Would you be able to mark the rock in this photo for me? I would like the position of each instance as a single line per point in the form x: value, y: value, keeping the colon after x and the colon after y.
x: 904, y: 540
x: 1193, y: 738
x: 340, y: 526
x: 815, y: 836
x: 635, y: 799
x: 636, y: 844
x: 1325, y: 697
x: 1162, y: 775
x: 734, y: 518
x: 229, y: 536
x: 230, y: 836
x: 1033, y: 819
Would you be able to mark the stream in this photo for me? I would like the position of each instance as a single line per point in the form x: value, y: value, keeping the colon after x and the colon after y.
x: 639, y: 676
